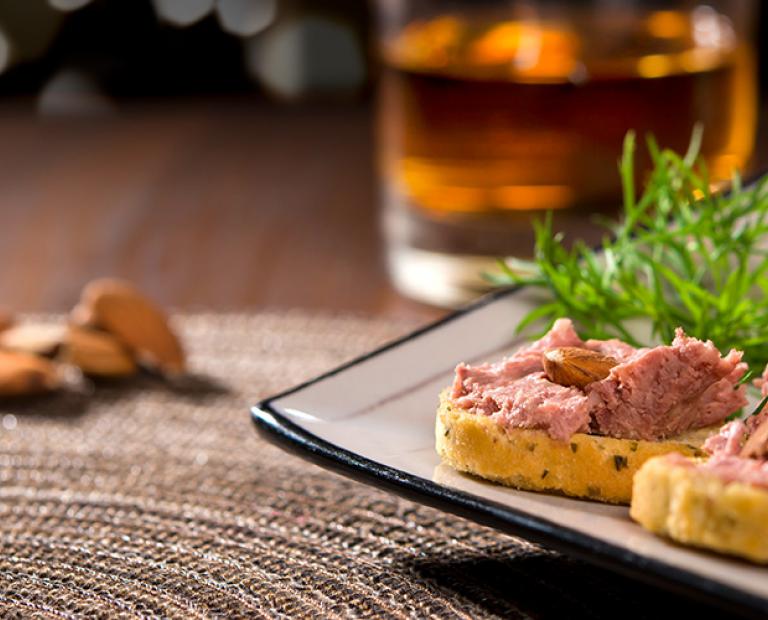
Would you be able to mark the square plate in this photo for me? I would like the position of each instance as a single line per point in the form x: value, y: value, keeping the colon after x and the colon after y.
x: 373, y: 419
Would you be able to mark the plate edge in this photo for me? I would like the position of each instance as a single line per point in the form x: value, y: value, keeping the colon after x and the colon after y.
x: 485, y: 300
x: 279, y: 430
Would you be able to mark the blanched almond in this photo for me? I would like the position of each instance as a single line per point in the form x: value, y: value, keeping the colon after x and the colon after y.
x: 97, y: 353
x: 39, y: 339
x: 572, y: 366
x: 22, y: 373
x: 119, y: 308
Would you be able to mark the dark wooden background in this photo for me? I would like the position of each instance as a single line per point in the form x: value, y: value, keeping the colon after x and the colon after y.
x: 213, y: 204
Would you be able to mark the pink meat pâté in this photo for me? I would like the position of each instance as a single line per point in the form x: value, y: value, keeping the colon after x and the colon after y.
x: 652, y: 393
x: 726, y: 461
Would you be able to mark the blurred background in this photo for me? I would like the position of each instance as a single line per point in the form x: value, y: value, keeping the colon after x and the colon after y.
x: 222, y: 153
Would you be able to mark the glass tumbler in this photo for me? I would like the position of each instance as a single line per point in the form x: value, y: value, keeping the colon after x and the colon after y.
x: 491, y: 112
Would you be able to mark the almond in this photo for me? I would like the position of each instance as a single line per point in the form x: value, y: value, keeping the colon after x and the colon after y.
x: 38, y: 339
x: 6, y: 319
x: 97, y: 353
x: 572, y: 366
x: 23, y: 373
x: 119, y: 308
x: 757, y: 445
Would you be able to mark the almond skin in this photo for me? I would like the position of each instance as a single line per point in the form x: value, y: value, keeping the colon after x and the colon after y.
x: 38, y: 339
x: 97, y: 353
x: 575, y: 367
x: 22, y: 374
x: 119, y: 308
x: 6, y: 319
x: 757, y: 445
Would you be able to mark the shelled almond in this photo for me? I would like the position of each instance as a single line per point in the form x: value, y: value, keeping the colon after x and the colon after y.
x: 24, y: 373
x: 97, y: 353
x: 117, y: 307
x: 574, y: 366
x: 113, y: 331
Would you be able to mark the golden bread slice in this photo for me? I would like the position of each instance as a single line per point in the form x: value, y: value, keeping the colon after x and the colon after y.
x: 587, y: 466
x: 697, y: 508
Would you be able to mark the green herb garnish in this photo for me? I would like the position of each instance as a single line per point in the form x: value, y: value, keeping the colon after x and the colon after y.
x: 759, y: 407
x: 681, y: 255
x: 744, y: 379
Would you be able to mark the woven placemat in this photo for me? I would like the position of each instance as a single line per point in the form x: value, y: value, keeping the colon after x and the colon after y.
x: 145, y: 500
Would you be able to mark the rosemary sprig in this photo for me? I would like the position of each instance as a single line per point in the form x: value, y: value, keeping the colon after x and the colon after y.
x: 681, y: 254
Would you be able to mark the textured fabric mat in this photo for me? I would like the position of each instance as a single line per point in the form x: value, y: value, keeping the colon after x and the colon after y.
x: 141, y: 500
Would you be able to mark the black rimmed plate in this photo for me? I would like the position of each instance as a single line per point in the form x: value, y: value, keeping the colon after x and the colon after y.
x: 373, y: 420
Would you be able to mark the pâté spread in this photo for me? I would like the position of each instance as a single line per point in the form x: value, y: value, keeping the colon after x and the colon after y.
x: 650, y: 393
x: 739, y: 452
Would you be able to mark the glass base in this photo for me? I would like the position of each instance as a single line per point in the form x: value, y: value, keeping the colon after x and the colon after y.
x: 440, y: 279
x: 441, y: 258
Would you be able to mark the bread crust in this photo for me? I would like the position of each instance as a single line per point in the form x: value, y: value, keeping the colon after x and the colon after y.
x: 698, y: 508
x: 587, y: 466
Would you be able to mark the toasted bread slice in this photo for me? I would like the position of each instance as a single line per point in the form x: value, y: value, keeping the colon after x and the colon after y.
x: 587, y: 466
x: 697, y: 508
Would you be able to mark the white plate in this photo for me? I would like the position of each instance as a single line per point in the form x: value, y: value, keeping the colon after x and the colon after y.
x: 373, y: 419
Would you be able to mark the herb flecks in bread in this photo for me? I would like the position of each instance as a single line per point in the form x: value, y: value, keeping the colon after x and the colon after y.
x: 586, y: 466
x: 675, y: 499
x: 720, y: 503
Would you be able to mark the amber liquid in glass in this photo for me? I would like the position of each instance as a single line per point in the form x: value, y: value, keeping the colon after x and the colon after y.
x: 483, y: 127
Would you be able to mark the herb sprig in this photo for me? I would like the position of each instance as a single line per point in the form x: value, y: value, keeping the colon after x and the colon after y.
x: 681, y: 254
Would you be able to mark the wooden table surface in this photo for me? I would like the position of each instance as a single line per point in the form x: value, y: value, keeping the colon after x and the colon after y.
x: 215, y: 205
x: 230, y: 205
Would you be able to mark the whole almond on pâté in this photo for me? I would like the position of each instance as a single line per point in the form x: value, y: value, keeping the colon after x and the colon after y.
x: 572, y: 366
x: 22, y: 374
x: 121, y: 309
x: 97, y: 353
